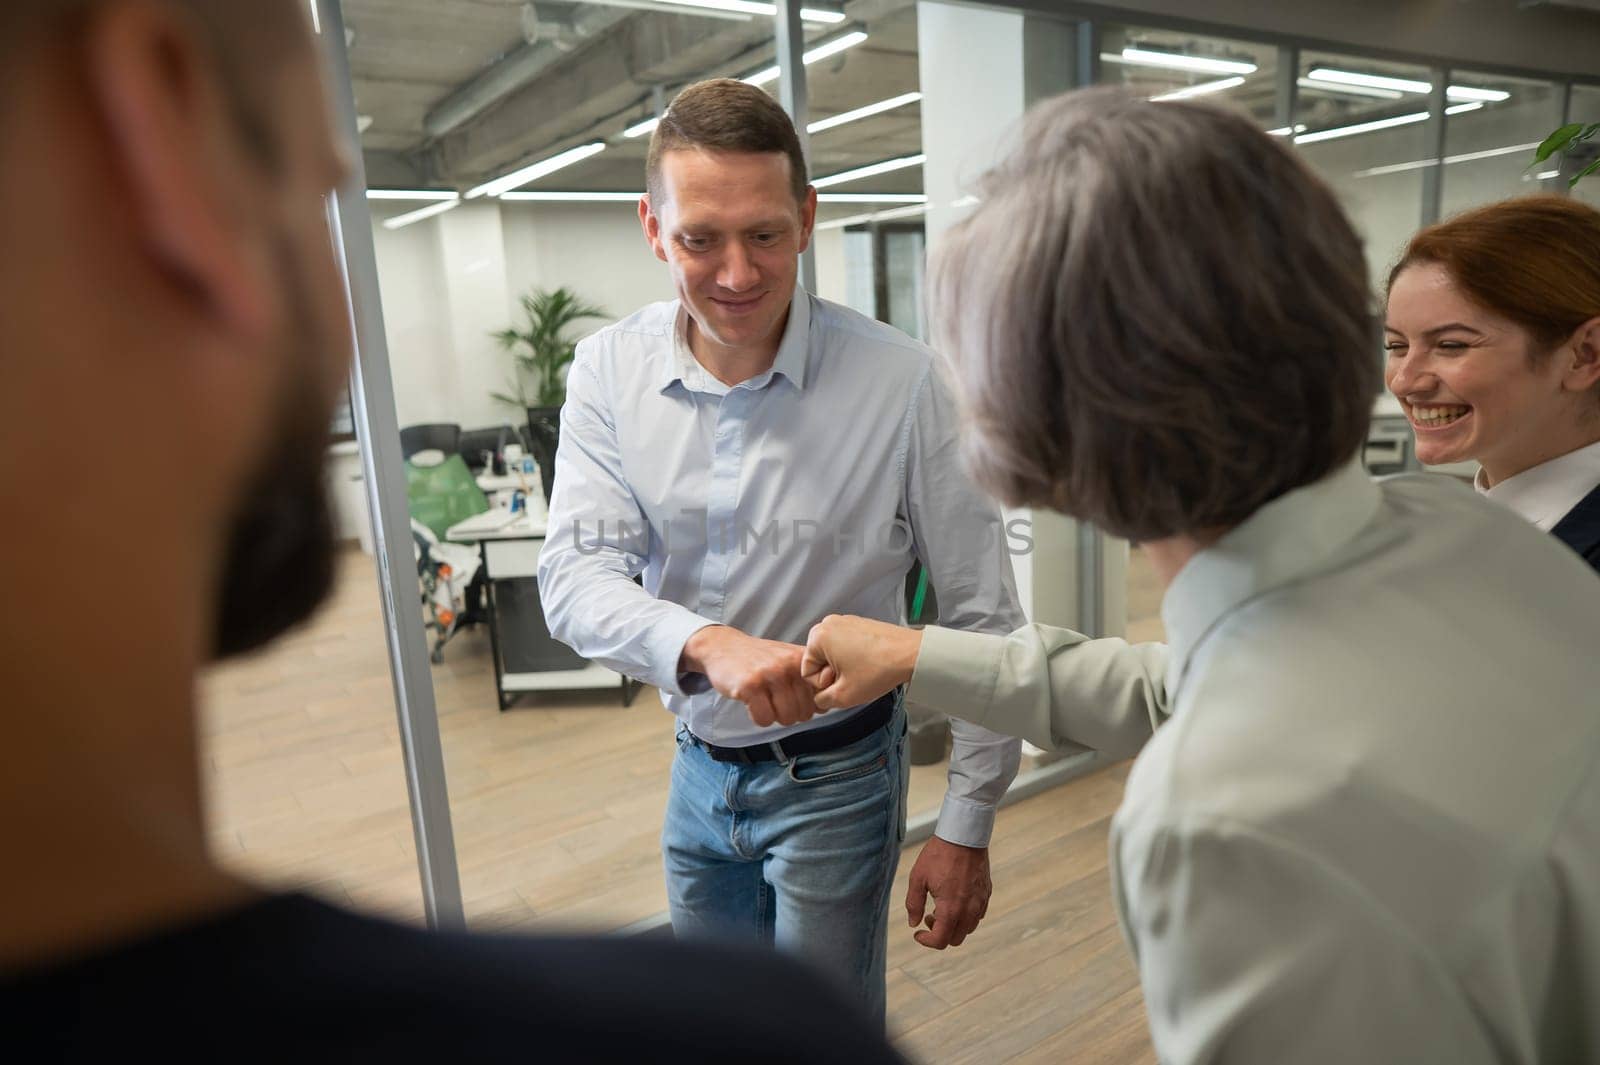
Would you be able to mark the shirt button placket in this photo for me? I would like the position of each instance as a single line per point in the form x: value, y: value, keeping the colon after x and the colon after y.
x: 721, y: 535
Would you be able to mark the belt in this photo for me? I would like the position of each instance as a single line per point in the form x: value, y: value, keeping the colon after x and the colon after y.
x: 857, y: 726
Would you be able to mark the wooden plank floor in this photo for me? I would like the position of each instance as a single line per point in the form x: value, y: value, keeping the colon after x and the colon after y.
x: 557, y: 806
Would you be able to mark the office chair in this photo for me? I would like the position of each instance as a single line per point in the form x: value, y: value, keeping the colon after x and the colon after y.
x: 441, y: 436
x: 492, y: 440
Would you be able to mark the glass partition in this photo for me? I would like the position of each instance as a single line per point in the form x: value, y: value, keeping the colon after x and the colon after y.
x: 1488, y: 147
x: 1169, y: 65
x: 1585, y: 107
x: 1363, y: 125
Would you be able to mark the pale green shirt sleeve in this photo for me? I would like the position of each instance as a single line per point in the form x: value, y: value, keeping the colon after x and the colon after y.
x: 1053, y: 687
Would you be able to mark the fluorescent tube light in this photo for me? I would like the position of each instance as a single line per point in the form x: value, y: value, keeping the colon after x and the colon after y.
x: 833, y: 47
x: 518, y: 178
x: 413, y: 194
x: 639, y: 129
x: 1177, y: 61
x: 1360, y: 127
x: 1466, y: 157
x: 871, y: 197
x: 754, y: 7
x: 1351, y: 79
x: 1367, y: 81
x: 1546, y: 175
x: 400, y: 221
x: 864, y: 112
x: 885, y: 167
x: 1470, y: 92
x: 1203, y: 89
x: 1350, y: 90
x: 1382, y: 123
x: 633, y: 197
x: 571, y: 197
x: 821, y: 51
x: 316, y: 18
x: 1284, y: 131
x: 875, y: 216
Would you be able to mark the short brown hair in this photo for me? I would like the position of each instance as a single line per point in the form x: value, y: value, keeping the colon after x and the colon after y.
x: 1160, y: 320
x: 1534, y: 260
x: 727, y: 116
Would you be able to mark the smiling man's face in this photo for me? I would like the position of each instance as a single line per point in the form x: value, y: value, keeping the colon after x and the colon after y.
x: 731, y: 232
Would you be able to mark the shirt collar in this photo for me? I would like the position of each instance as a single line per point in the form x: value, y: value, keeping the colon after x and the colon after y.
x: 1544, y: 493
x: 793, y: 353
x: 1287, y: 539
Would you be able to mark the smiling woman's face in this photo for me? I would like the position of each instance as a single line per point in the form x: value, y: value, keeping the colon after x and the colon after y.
x: 1466, y: 379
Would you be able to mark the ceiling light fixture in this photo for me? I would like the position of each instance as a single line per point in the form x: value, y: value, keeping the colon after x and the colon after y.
x: 1148, y: 57
x: 400, y: 221
x: 885, y: 167
x: 876, y: 216
x: 413, y: 194
x: 864, y: 112
x: 831, y: 16
x: 1467, y: 157
x: 571, y: 197
x: 633, y: 197
x: 821, y: 51
x: 1367, y: 91
x: 518, y: 178
x: 1205, y: 88
x: 1382, y: 123
x: 1352, y: 79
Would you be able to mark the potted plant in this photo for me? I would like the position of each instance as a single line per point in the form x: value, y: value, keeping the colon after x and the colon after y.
x: 541, y: 351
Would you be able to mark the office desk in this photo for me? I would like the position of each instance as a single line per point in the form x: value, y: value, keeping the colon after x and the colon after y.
x: 526, y: 657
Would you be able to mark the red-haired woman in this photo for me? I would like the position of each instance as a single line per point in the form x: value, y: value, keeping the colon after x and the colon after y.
x: 1493, y: 339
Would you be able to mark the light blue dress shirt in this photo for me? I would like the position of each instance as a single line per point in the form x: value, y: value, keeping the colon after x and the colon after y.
x: 805, y: 491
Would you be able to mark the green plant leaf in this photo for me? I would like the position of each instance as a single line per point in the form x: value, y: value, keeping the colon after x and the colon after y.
x: 1585, y: 172
x: 1557, y: 141
x: 540, y: 345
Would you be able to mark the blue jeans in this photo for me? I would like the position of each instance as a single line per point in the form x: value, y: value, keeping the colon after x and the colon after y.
x: 800, y: 854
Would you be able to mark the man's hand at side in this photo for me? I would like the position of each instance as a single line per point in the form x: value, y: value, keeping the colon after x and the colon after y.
x: 958, y: 879
x: 762, y: 674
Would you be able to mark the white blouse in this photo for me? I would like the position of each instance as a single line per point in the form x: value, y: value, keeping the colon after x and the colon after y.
x: 1545, y: 493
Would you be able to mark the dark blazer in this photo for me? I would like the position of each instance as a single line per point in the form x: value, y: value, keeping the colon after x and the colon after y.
x: 1580, y: 529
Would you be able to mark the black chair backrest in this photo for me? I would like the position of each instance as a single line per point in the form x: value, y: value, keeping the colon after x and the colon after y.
x: 443, y: 436
x: 474, y: 442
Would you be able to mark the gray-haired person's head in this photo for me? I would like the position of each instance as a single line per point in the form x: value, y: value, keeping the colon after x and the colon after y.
x: 1158, y: 318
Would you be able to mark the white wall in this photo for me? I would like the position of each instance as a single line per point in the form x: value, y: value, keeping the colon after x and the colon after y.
x: 595, y: 249
x: 451, y: 281
x: 416, y: 318
x: 448, y: 282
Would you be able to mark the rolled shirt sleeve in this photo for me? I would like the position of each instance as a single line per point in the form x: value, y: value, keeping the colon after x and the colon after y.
x: 960, y: 538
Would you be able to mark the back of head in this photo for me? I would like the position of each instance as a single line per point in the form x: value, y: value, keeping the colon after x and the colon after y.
x: 724, y: 115
x: 1159, y: 318
x: 1534, y: 260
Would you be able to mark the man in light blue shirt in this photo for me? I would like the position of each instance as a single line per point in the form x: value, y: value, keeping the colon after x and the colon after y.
x: 762, y: 458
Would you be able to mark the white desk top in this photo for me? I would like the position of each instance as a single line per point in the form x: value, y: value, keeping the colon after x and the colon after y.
x: 498, y: 525
x: 504, y: 482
